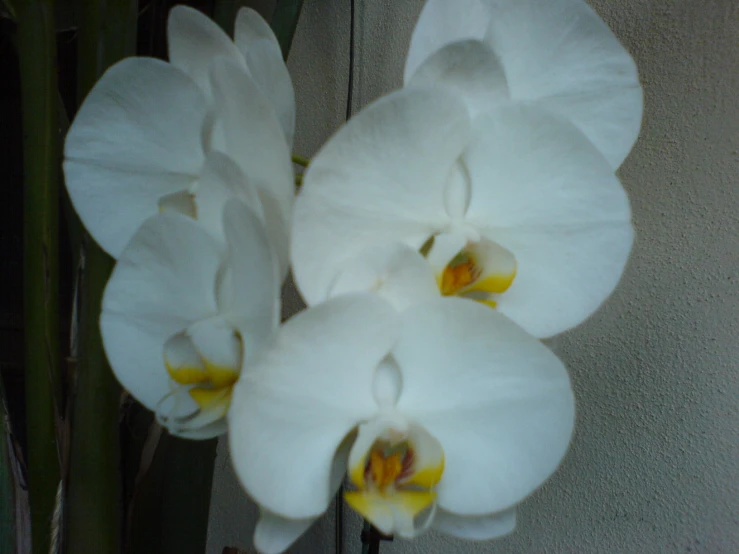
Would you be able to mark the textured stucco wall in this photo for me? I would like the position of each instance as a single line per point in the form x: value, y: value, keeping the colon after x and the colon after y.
x: 654, y: 465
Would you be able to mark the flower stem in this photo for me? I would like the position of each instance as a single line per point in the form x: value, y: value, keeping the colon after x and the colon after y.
x: 37, y: 58
x: 371, y: 539
x: 300, y: 160
x: 107, y: 33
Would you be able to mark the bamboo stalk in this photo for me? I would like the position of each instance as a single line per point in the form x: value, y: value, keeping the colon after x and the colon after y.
x: 37, y: 58
x: 107, y: 33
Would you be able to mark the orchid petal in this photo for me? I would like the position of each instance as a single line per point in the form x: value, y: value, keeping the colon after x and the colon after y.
x: 295, y: 404
x: 194, y: 41
x: 560, y: 55
x: 182, y: 202
x: 183, y: 361
x: 259, y: 47
x: 254, y: 139
x: 497, y: 400
x: 274, y: 534
x: 396, y: 272
x: 544, y: 193
x: 478, y: 528
x: 136, y: 138
x: 250, y: 299
x: 470, y: 69
x: 163, y: 282
x: 219, y: 347
x: 441, y: 23
x: 443, y: 250
x: 221, y: 179
x: 394, y: 514
x: 379, y: 179
x: 557, y: 54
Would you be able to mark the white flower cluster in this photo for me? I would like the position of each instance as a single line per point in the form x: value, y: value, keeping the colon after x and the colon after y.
x: 438, y: 235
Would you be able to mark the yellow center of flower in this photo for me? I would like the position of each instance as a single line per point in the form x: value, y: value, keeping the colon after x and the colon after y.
x: 385, y: 465
x: 461, y: 272
x: 479, y: 272
x: 213, y: 383
x: 395, y: 485
x: 203, y: 364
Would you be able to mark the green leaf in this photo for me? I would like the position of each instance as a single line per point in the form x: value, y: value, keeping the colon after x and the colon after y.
x: 107, y: 33
x: 172, y: 500
x: 285, y: 21
x: 36, y: 41
x: 224, y: 13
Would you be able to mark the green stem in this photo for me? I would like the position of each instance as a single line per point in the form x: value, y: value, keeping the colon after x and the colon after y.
x: 37, y: 57
x: 94, y: 493
x: 300, y: 160
x: 285, y: 21
x: 107, y: 33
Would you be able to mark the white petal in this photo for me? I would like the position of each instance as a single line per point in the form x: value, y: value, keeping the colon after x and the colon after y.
x: 443, y: 250
x: 396, y: 272
x: 457, y: 191
x: 215, y: 429
x: 254, y: 139
x: 194, y: 41
x: 293, y: 407
x: 251, y: 299
x: 163, y: 282
x: 274, y: 534
x: 544, y: 193
x: 442, y: 22
x: 560, y: 55
x: 497, y: 400
x: 135, y: 139
x: 468, y: 68
x: 220, y: 180
x: 216, y: 343
x: 379, y: 179
x: 182, y: 202
x: 259, y: 46
x: 479, y: 528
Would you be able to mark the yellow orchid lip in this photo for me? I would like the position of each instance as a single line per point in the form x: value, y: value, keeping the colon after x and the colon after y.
x: 480, y: 272
x: 460, y: 273
x: 394, y: 485
x: 207, y: 384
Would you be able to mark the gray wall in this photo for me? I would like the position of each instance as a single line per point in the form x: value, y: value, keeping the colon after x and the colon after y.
x: 654, y: 465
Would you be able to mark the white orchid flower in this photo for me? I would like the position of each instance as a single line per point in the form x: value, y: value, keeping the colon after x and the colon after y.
x: 514, y: 208
x: 557, y: 55
x: 195, y: 41
x: 147, y: 133
x: 182, y: 312
x: 444, y: 416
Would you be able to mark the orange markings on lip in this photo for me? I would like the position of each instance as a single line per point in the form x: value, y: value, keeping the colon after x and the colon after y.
x: 384, y: 469
x: 461, y: 272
